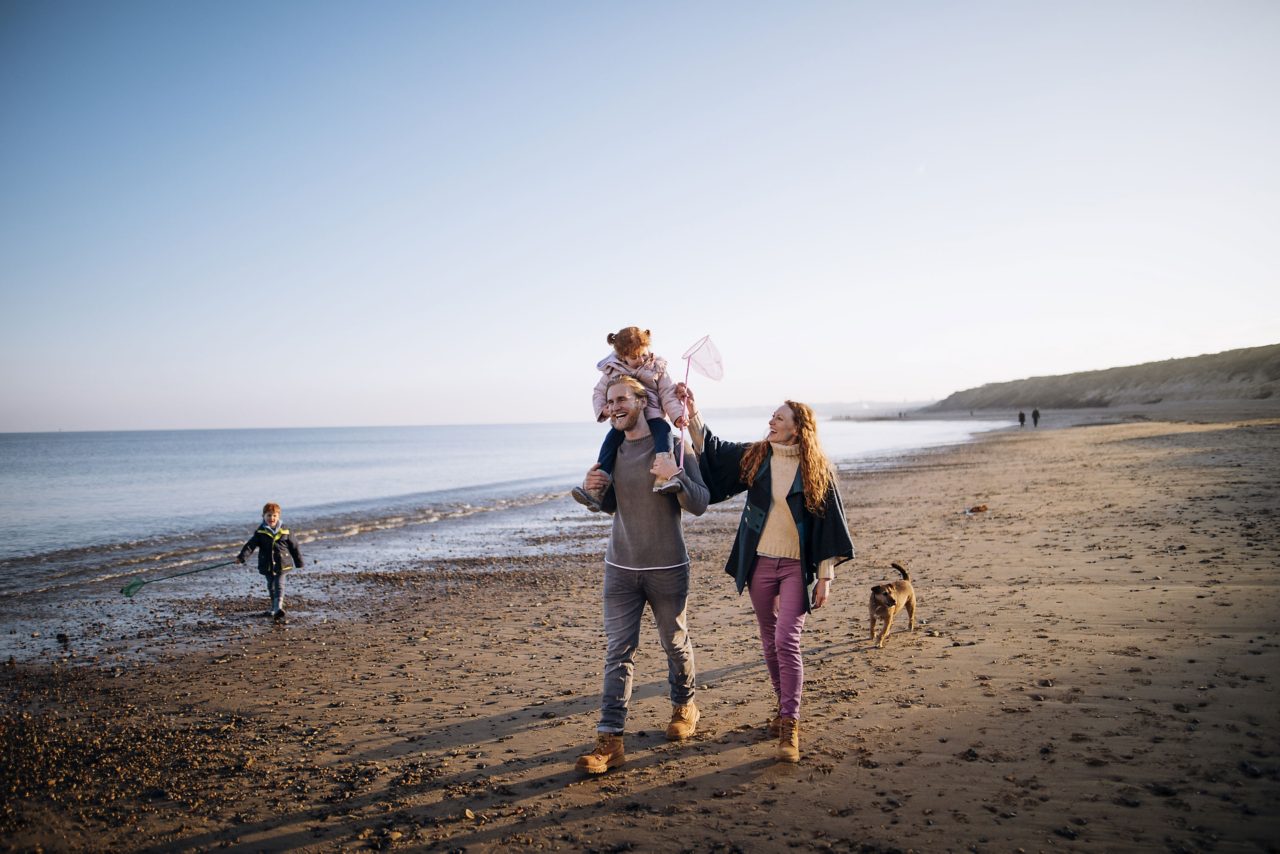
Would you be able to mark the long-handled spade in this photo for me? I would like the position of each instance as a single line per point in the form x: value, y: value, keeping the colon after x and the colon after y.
x: 134, y: 586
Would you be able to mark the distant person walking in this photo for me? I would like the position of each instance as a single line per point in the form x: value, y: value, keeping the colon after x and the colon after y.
x: 1022, y: 419
x: 1035, y: 418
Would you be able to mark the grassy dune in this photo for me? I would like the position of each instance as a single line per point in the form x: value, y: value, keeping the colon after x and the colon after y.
x: 1252, y: 373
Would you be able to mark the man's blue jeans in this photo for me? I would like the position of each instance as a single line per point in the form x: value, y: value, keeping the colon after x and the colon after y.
x: 626, y: 592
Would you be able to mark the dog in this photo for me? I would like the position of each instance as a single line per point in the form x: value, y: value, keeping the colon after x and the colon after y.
x: 890, y: 598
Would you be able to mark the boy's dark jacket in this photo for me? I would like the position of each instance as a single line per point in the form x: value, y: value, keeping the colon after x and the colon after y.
x: 821, y: 537
x: 271, y: 550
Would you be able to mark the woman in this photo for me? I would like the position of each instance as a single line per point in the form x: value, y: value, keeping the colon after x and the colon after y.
x: 791, y: 535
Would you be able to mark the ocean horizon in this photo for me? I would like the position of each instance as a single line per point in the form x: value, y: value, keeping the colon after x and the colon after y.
x: 83, y: 513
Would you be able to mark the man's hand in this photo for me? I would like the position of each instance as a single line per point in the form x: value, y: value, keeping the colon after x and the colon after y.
x: 664, y: 466
x: 595, y: 479
x: 821, y: 594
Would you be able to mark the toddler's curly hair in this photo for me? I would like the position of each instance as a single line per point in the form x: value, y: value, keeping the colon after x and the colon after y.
x: 629, y: 341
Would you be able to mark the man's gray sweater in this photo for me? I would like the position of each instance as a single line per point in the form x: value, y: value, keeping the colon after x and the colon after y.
x: 647, y: 529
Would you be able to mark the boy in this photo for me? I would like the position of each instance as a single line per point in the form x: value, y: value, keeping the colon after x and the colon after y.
x: 272, y: 541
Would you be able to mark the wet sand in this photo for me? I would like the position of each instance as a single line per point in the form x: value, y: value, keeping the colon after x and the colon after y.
x: 1094, y: 667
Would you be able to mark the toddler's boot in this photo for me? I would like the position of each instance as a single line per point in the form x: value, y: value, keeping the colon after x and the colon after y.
x: 661, y: 484
x: 592, y: 499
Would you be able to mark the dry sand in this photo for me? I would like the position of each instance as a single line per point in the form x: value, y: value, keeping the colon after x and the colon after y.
x: 1095, y: 668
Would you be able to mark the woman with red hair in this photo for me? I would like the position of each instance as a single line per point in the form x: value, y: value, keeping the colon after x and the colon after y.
x: 792, y: 534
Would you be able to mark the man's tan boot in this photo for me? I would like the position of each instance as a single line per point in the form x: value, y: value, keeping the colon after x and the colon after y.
x: 608, y: 754
x: 684, y: 722
x: 788, y: 740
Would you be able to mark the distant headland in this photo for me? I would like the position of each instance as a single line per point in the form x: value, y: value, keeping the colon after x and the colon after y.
x: 1249, y: 374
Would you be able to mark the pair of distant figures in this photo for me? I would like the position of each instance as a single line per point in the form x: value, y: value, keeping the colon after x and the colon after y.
x: 1035, y: 418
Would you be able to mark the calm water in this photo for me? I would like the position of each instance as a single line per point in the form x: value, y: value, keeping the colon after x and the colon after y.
x: 77, y: 508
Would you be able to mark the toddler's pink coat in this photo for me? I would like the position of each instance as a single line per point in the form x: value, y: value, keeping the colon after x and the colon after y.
x: 652, y: 373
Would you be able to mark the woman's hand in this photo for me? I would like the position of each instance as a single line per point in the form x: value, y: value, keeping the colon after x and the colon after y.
x: 822, y: 592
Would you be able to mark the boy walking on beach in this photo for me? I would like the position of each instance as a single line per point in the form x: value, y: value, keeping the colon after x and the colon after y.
x: 277, y: 554
x: 646, y: 563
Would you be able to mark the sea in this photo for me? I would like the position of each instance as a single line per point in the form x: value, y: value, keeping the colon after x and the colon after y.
x: 83, y: 514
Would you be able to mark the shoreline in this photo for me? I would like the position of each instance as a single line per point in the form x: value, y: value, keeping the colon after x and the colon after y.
x: 1172, y: 411
x: 73, y: 520
x: 78, y: 619
x: 1091, y: 665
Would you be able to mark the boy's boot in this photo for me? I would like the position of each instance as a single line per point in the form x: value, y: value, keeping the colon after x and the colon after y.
x: 684, y: 722
x: 661, y: 484
x: 788, y: 740
x: 608, y: 754
x: 592, y: 499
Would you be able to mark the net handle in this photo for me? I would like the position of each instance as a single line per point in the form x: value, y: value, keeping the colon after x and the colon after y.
x: 134, y: 586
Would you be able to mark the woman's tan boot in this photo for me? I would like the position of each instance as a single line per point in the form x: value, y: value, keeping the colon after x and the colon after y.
x: 788, y: 740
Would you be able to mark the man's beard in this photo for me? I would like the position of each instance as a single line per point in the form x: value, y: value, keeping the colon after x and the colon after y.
x: 630, y: 422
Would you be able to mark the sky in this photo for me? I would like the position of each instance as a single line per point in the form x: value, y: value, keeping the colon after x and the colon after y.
x: 280, y: 214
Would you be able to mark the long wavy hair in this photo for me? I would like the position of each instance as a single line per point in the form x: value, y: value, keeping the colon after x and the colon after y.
x: 815, y: 468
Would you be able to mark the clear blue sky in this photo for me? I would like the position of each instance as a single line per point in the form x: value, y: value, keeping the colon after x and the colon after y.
x: 221, y: 214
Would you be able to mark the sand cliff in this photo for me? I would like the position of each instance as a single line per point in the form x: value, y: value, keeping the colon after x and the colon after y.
x: 1248, y: 374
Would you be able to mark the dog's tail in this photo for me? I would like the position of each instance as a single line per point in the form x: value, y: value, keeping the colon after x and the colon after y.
x: 902, y: 569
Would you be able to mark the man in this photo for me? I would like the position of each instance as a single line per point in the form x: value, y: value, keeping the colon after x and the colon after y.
x: 645, y: 563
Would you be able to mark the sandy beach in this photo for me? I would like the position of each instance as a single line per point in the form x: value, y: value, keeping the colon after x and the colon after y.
x: 1094, y: 668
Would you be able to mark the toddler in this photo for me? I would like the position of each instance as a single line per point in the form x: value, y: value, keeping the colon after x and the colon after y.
x: 631, y: 357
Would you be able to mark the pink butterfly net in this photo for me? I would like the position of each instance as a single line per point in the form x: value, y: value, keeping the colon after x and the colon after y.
x: 705, y: 359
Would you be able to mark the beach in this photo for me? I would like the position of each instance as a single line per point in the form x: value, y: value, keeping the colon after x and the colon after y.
x: 1093, y: 668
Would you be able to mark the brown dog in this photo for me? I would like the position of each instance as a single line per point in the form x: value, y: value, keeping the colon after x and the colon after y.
x: 888, y: 599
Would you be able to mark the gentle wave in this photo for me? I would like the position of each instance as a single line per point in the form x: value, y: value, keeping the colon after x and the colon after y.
x: 89, y: 498
x: 94, y: 565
